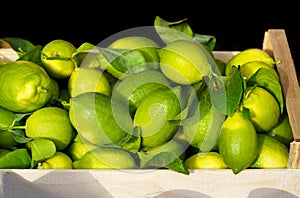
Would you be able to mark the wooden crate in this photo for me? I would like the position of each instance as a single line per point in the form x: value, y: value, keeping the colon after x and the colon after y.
x: 165, y: 183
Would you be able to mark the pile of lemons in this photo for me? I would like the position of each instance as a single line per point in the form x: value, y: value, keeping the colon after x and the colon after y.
x: 135, y: 105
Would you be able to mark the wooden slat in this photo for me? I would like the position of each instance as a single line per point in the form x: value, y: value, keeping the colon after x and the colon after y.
x: 276, y: 43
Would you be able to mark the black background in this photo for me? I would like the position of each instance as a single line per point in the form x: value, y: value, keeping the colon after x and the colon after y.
x: 236, y: 25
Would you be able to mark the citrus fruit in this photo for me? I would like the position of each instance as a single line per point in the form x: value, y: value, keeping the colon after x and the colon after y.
x: 282, y: 131
x: 25, y: 86
x: 263, y: 107
x: 205, y: 160
x: 147, y: 46
x: 174, y: 148
x: 134, y: 88
x: 251, y: 54
x: 88, y: 80
x: 184, y: 62
x: 59, y: 160
x: 271, y: 153
x: 204, y: 134
x: 106, y: 158
x: 52, y: 123
x: 153, y: 116
x: 57, y: 58
x: 238, y: 144
x: 249, y: 68
x: 98, y: 119
x: 78, y: 147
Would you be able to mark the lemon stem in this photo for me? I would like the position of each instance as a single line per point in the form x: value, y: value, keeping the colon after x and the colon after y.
x: 18, y: 127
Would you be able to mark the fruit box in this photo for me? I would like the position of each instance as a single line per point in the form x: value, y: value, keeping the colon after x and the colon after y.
x: 167, y: 183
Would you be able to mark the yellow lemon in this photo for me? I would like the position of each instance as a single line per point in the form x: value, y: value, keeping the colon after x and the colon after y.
x: 57, y: 58
x: 271, y: 153
x: 59, y: 160
x: 184, y: 62
x: 205, y: 160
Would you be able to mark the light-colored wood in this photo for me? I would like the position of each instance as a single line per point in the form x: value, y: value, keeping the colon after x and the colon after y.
x: 8, y: 55
x: 275, y: 42
x: 251, y: 183
x: 294, y: 153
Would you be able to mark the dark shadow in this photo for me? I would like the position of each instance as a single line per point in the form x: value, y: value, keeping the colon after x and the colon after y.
x: 181, y: 193
x: 56, y: 184
x: 270, y: 192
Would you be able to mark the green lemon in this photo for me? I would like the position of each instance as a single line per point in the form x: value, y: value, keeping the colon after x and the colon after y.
x: 174, y: 149
x: 88, y: 80
x: 204, y: 134
x: 25, y: 86
x: 59, y: 160
x: 271, y: 153
x: 98, y: 119
x: 238, y: 143
x: 153, y: 116
x: 263, y: 107
x: 147, y: 46
x: 205, y: 160
x: 78, y: 147
x: 57, y: 58
x: 251, y: 54
x: 52, y: 123
x: 106, y: 158
x: 184, y: 62
x: 134, y: 88
x: 283, y: 130
x: 249, y: 68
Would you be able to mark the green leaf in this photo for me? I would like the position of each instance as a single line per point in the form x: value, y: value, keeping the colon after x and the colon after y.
x: 208, y: 40
x: 20, y: 116
x: 179, y: 166
x: 41, y: 149
x: 19, y: 45
x: 133, y: 143
x: 33, y: 55
x: 267, y: 80
x: 19, y: 136
x: 226, y: 95
x: 171, y: 31
x: 122, y: 62
x: 199, y: 105
x: 16, y: 159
